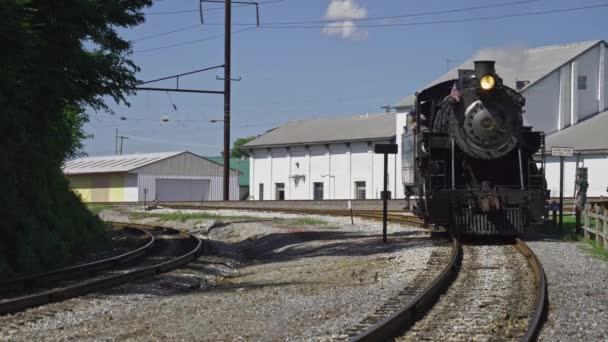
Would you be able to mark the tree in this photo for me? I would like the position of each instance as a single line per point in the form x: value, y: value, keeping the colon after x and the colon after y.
x: 59, y: 57
x: 237, y: 147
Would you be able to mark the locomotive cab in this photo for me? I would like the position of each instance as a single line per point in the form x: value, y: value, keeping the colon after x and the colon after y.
x: 471, y: 159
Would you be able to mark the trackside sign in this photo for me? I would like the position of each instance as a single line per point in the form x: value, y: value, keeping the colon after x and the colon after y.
x: 562, y: 151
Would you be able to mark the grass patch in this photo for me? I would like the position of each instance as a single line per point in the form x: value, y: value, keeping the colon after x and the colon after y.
x: 97, y: 208
x: 304, y: 221
x: 590, y: 247
x: 568, y: 232
x: 183, y: 217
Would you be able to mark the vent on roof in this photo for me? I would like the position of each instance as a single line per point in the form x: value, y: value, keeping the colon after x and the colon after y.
x: 582, y: 83
x: 519, y: 85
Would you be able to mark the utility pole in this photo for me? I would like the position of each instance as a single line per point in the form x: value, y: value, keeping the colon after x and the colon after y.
x: 116, y: 137
x: 227, y: 43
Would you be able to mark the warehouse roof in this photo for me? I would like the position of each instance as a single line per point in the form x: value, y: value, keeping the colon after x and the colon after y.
x: 360, y: 127
x: 110, y: 164
x: 586, y: 136
x: 513, y: 64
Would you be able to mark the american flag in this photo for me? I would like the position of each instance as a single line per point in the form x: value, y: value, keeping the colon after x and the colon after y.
x: 455, y: 94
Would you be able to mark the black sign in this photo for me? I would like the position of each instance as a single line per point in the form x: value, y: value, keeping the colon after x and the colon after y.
x: 386, y: 148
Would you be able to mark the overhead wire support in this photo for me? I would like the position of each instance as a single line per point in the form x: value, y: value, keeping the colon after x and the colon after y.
x: 243, y: 3
x: 177, y: 88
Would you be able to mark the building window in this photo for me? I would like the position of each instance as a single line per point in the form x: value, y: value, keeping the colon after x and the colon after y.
x: 279, y: 191
x: 318, y: 191
x: 261, y: 192
x: 360, y: 190
x: 582, y: 82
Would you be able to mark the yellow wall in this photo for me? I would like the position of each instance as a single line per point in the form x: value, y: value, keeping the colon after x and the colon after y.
x: 99, y: 188
x: 81, y: 185
x: 117, y: 188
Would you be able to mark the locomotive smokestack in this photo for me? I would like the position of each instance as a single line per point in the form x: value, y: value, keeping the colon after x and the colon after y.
x: 483, y: 68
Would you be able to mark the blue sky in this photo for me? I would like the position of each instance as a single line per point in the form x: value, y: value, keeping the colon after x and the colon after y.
x: 301, y: 73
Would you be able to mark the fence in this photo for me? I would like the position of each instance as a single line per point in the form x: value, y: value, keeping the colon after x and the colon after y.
x: 599, y: 213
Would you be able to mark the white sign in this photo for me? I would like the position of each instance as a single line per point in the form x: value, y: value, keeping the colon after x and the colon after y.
x: 562, y: 151
x: 350, y: 205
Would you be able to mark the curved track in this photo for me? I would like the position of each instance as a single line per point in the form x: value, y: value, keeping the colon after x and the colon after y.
x: 405, y: 317
x: 471, y: 298
x: 172, y: 248
x: 81, y: 269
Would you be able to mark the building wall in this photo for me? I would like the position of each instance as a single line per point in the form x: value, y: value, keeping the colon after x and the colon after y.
x: 105, y: 187
x: 555, y: 102
x: 588, y: 65
x: 597, y: 168
x: 542, y: 103
x: 185, y: 166
x: 338, y: 166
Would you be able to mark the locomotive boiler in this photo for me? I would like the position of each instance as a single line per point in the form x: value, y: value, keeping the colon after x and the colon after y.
x: 469, y: 158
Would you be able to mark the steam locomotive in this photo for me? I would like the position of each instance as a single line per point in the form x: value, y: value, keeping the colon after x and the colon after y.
x: 469, y: 158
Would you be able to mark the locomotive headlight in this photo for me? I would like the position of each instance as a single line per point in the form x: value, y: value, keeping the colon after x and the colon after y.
x: 487, y: 82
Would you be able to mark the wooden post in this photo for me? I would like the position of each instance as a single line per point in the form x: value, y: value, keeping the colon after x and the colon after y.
x: 586, y: 225
x: 605, y: 224
x: 597, y: 225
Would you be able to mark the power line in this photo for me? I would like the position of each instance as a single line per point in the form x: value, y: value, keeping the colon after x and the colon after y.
x: 407, y: 15
x: 456, y: 10
x: 193, y: 41
x: 210, y: 9
x: 572, y: 9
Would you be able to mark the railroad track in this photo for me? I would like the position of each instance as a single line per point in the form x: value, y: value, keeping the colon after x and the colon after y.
x: 460, y: 301
x: 166, y: 249
x: 396, y: 217
x: 393, y: 318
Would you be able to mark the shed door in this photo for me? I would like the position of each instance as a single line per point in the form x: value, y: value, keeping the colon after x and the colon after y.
x: 182, y: 189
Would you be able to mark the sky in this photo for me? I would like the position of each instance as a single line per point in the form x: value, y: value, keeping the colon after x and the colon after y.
x: 349, y: 57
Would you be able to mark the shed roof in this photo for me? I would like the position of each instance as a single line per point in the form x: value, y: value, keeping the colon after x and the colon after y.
x: 354, y: 128
x: 586, y: 136
x: 111, y: 164
x: 513, y: 64
x: 242, y: 165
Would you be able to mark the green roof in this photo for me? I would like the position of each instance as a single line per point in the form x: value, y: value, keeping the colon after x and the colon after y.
x: 242, y: 165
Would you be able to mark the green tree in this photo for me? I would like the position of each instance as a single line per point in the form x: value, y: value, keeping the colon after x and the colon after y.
x: 58, y: 58
x: 237, y: 147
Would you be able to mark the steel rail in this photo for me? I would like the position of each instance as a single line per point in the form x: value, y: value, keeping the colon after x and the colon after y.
x: 398, y: 321
x: 542, y: 301
x: 72, y: 271
x: 60, y: 294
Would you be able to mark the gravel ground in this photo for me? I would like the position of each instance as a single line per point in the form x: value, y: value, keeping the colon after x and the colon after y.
x: 274, y: 280
x: 491, y: 299
x: 578, y: 295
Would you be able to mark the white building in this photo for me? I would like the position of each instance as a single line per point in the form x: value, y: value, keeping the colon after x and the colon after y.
x: 167, y: 176
x: 566, y: 91
x: 326, y: 159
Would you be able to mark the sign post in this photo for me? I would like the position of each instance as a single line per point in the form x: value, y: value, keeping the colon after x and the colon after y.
x: 561, y: 152
x: 385, y: 149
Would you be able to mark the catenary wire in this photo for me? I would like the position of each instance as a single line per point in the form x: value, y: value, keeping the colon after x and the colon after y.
x: 455, y: 10
x: 209, y: 9
x: 419, y: 23
x: 192, y: 41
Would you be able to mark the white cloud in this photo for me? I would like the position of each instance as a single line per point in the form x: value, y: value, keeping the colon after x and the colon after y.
x: 344, y: 11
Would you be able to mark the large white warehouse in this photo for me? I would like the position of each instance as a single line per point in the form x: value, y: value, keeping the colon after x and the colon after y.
x: 167, y: 176
x: 326, y: 159
x: 566, y: 91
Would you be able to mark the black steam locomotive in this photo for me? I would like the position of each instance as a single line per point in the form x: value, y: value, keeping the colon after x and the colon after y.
x: 469, y: 158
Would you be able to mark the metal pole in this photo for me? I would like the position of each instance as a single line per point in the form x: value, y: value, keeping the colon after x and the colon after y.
x: 453, y: 166
x: 521, y: 170
x: 116, y: 142
x: 227, y: 28
x: 384, y: 198
x: 121, y: 140
x: 561, y: 192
